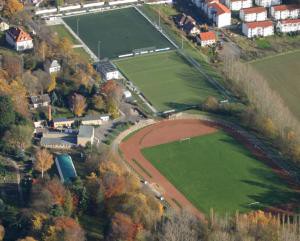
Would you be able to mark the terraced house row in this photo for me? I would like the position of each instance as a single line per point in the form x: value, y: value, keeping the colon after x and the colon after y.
x: 260, y: 18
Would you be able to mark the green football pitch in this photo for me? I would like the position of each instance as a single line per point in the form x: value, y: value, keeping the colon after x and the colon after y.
x: 119, y: 31
x: 283, y: 75
x: 167, y: 80
x: 215, y: 171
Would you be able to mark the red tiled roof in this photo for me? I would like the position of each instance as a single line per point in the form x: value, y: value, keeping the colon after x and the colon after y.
x: 18, y: 35
x: 254, y: 10
x: 220, y: 8
x: 290, y: 21
x: 204, y: 36
x: 211, y: 1
x: 286, y: 7
x: 262, y: 24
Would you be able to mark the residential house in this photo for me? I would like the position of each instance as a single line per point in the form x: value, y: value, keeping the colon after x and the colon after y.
x: 288, y: 25
x: 253, y: 14
x: 40, y: 101
x: 52, y: 66
x: 3, y: 25
x: 267, y: 3
x: 94, y: 120
x: 63, y: 123
x: 258, y: 29
x: 86, y: 135
x: 236, y: 5
x: 285, y: 11
x: 219, y: 14
x: 19, y: 39
x: 191, y: 29
x: 206, y: 38
x: 108, y: 70
x: 187, y: 24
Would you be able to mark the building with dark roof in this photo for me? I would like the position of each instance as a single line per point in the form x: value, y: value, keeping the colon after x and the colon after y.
x: 19, y: 39
x: 108, y: 70
x: 40, y: 101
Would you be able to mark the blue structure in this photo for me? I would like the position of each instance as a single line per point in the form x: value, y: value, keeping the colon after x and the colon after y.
x: 65, y: 167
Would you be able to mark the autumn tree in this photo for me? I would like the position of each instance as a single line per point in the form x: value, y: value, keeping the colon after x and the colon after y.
x: 98, y: 102
x: 44, y: 161
x: 28, y: 238
x: 182, y: 226
x: 81, y: 78
x: 65, y: 228
x: 123, y: 228
x: 78, y: 104
x: 19, y: 97
x: 31, y: 83
x: 43, y: 78
x: 210, y: 104
x: 112, y: 90
x: 38, y: 220
x: 65, y: 46
x: 13, y: 65
x: 19, y: 136
x: 112, y: 108
x: 7, y: 117
x: 2, y: 232
x: 11, y: 7
x: 52, y: 84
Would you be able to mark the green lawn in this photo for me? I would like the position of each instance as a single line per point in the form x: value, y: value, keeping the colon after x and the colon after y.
x: 283, y: 75
x: 83, y: 54
x: 167, y: 80
x: 120, y: 32
x: 63, y: 32
x: 215, y: 171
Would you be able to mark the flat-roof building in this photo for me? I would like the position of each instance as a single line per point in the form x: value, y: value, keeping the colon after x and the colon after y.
x: 108, y: 70
x: 86, y: 135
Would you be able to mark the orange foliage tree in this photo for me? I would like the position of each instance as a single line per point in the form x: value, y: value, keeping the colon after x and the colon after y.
x: 123, y: 228
x: 68, y: 229
x: 78, y: 104
x: 57, y: 190
x: 11, y: 7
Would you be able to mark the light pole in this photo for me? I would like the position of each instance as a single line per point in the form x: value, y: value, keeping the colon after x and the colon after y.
x: 181, y: 40
x: 77, y: 27
x: 159, y: 17
x: 99, y: 45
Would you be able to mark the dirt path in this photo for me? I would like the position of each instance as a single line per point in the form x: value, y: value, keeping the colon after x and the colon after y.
x: 156, y: 134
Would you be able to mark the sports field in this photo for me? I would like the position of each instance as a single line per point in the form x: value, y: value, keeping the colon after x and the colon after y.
x: 167, y: 80
x: 283, y: 75
x: 216, y: 171
x: 119, y: 31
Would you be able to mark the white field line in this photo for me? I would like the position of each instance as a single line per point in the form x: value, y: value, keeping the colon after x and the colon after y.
x: 156, y: 27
